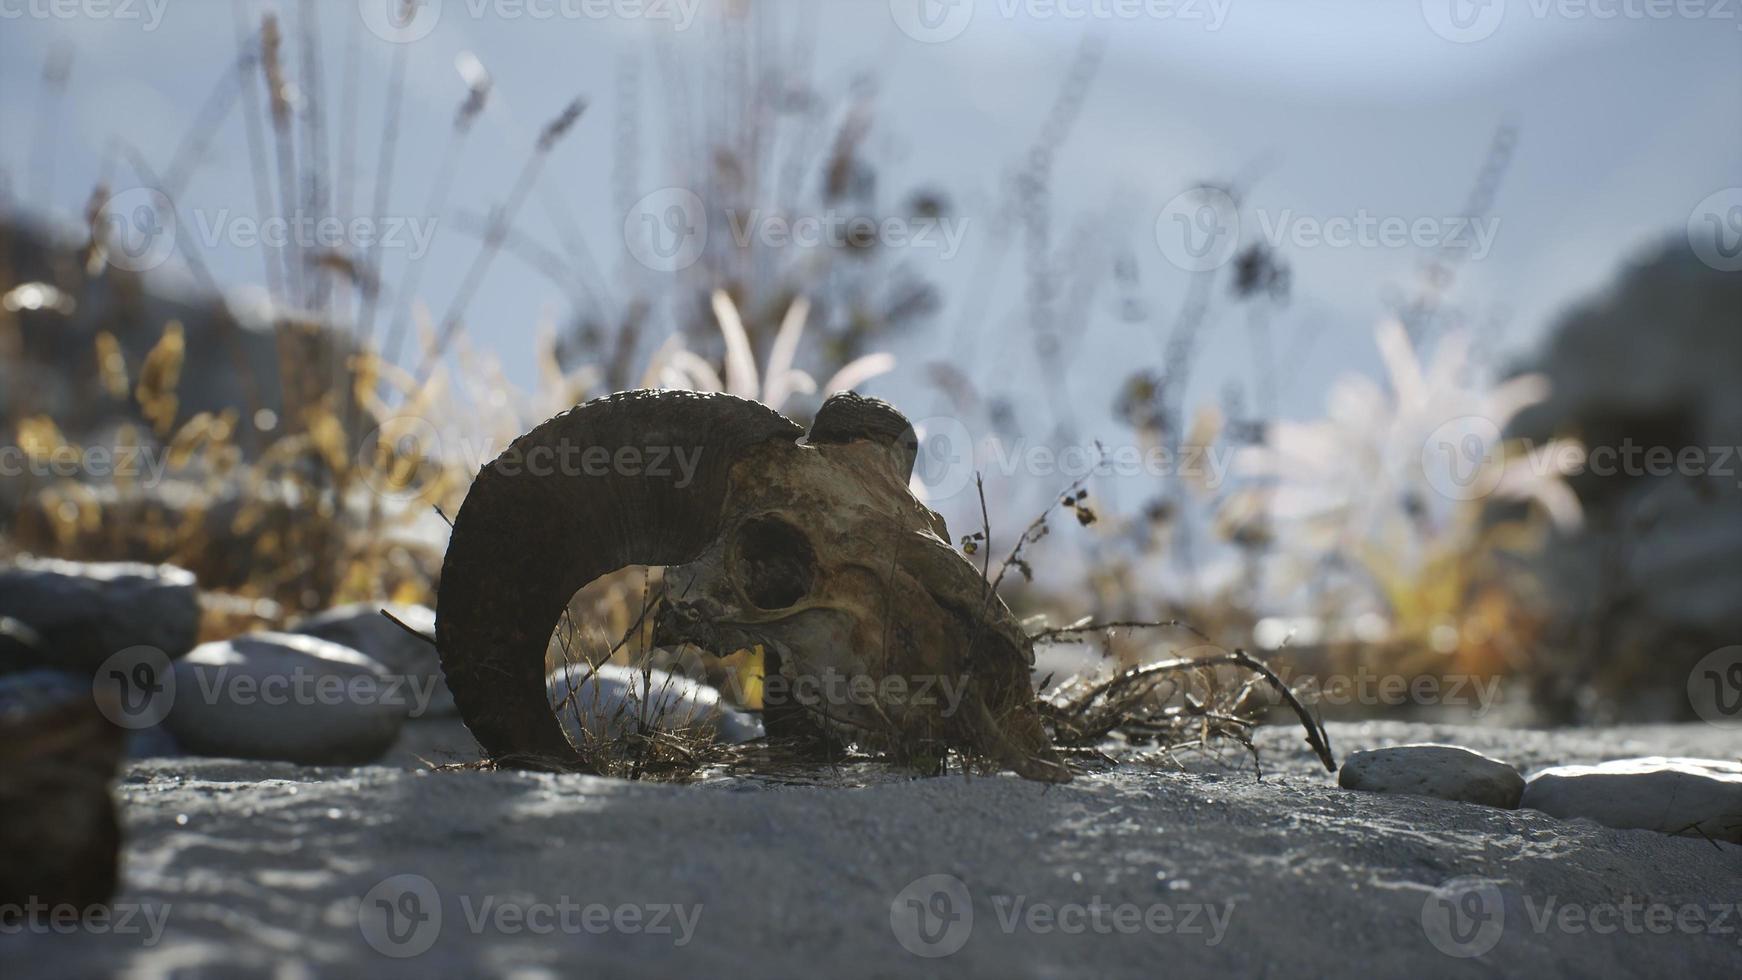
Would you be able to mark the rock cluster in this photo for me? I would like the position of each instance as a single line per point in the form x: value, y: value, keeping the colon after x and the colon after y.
x: 1696, y: 797
x: 338, y: 688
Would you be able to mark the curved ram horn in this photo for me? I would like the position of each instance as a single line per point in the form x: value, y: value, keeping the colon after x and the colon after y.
x: 636, y: 478
x: 848, y: 415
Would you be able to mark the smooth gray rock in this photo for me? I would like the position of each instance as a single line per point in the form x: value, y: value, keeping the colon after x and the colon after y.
x: 86, y: 612
x: 1671, y: 795
x: 1449, y: 772
x: 618, y: 698
x: 362, y: 628
x: 285, y: 697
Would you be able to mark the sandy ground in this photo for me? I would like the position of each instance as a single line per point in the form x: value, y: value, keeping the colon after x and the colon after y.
x: 1144, y: 871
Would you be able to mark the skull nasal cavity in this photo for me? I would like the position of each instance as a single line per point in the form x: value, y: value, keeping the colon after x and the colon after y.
x: 775, y: 563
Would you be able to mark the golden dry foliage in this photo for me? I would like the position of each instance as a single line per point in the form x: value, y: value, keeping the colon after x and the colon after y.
x: 160, y: 377
x: 111, y: 366
x: 296, y: 524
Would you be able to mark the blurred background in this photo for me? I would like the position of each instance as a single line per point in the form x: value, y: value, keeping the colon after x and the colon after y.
x: 1399, y: 342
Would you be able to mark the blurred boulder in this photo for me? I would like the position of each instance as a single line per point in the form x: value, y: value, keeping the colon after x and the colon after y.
x: 36, y: 687
x: 86, y: 612
x: 363, y: 628
x: 59, y: 833
x: 1648, y: 376
x: 288, y: 698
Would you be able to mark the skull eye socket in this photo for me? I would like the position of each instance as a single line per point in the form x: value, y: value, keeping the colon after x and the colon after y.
x: 775, y: 563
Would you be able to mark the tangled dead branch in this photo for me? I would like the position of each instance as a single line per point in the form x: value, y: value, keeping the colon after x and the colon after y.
x: 1174, y: 702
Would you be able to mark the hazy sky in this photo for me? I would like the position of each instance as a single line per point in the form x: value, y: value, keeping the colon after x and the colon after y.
x: 1350, y: 110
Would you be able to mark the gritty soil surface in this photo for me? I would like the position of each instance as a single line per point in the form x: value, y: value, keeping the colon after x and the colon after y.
x: 1146, y: 870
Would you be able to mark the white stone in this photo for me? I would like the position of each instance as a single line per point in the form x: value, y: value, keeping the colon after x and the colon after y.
x: 285, y: 697
x: 1449, y: 772
x: 85, y: 612
x: 362, y: 628
x: 619, y: 700
x: 1666, y: 794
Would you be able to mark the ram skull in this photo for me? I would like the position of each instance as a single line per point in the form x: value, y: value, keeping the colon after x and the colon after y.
x: 873, y: 627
